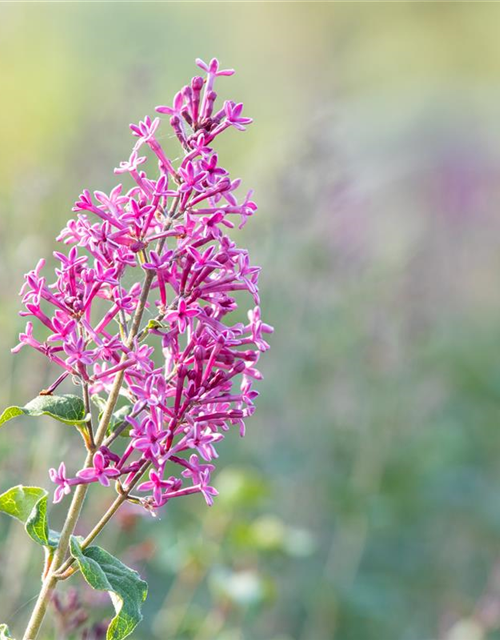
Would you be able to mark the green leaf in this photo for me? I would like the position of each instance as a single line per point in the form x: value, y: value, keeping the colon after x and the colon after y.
x: 29, y: 506
x: 155, y: 324
x: 118, y: 418
x: 68, y: 409
x: 5, y: 633
x: 99, y: 401
x: 104, y: 572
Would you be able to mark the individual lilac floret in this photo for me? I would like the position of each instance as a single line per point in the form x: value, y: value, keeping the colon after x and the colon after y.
x: 99, y: 472
x: 158, y: 486
x: 187, y: 372
x: 63, y: 484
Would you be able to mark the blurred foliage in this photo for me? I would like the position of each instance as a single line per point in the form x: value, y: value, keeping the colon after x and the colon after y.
x: 364, y: 501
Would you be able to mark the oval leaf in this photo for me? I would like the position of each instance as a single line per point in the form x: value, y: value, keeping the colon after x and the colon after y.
x: 104, y: 572
x: 29, y: 506
x: 68, y: 409
x: 118, y: 416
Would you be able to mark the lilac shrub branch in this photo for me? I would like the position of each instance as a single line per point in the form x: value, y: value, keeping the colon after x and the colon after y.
x: 186, y: 375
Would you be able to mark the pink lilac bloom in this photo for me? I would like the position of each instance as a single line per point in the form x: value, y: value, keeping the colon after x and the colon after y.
x: 188, y: 370
x: 63, y: 484
x: 100, y: 471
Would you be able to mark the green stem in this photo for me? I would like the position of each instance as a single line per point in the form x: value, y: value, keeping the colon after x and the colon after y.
x: 50, y: 581
x: 90, y: 429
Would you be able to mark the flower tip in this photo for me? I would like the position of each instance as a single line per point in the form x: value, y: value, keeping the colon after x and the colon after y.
x: 201, y: 64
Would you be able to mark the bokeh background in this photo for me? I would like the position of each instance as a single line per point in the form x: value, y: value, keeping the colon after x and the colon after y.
x: 364, y: 503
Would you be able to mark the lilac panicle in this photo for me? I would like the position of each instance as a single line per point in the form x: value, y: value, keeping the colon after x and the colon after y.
x: 188, y: 374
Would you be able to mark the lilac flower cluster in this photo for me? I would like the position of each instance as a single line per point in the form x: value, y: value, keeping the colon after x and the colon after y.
x: 186, y: 370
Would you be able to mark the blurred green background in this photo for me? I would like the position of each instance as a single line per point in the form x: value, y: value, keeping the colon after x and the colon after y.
x: 364, y: 503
